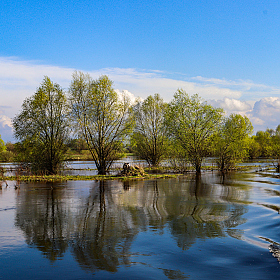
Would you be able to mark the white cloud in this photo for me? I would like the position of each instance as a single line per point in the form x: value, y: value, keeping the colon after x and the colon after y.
x: 5, y: 121
x: 148, y: 83
x: 232, y: 106
x: 248, y: 89
x: 6, y: 128
x: 229, y: 83
x: 266, y: 113
x: 20, y: 79
x: 126, y: 93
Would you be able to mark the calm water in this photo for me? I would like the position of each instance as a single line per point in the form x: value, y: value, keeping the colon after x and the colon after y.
x: 207, y: 227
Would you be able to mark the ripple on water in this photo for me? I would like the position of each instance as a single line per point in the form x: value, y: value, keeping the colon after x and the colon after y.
x: 202, y: 227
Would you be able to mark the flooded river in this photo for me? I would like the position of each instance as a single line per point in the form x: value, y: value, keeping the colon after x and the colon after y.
x: 192, y: 227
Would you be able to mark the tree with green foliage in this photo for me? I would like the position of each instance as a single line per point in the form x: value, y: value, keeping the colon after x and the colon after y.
x: 43, y: 129
x: 77, y: 145
x: 191, y: 123
x: 2, y: 145
x: 231, y: 141
x: 177, y: 156
x: 264, y: 140
x: 149, y: 140
x: 275, y: 145
x: 101, y: 117
x: 4, y: 154
x: 254, y: 148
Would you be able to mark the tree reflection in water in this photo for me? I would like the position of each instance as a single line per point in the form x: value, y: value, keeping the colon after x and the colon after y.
x: 103, y: 232
x: 42, y: 216
x: 206, y: 211
x: 99, y: 228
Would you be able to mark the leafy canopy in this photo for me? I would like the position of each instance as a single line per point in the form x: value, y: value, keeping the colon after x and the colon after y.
x: 191, y: 122
x: 231, y: 142
x: 149, y: 139
x: 2, y: 145
x: 100, y: 116
x: 42, y: 128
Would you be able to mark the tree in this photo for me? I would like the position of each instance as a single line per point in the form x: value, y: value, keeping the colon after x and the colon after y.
x: 77, y: 144
x: 264, y: 140
x: 191, y: 122
x: 231, y: 141
x: 2, y: 145
x: 149, y: 140
x: 275, y: 144
x: 254, y: 148
x: 10, y: 147
x: 42, y: 128
x: 101, y: 117
x: 177, y: 156
x: 277, y: 130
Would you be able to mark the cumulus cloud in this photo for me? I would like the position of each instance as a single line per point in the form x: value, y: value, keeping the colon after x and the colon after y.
x: 6, y: 128
x: 266, y: 113
x: 5, y: 121
x: 128, y: 94
x: 232, y: 106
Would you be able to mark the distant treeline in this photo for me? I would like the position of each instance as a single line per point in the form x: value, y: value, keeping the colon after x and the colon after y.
x: 92, y: 117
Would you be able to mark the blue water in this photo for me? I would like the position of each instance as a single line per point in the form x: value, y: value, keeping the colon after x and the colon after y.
x: 207, y: 227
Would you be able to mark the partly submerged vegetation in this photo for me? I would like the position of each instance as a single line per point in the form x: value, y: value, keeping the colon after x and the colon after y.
x: 94, y: 122
x: 64, y: 178
x: 123, y: 174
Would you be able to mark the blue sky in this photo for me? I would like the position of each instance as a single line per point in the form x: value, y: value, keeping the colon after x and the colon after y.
x: 226, y: 51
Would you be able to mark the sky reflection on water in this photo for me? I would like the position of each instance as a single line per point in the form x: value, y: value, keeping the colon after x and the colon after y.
x: 192, y: 227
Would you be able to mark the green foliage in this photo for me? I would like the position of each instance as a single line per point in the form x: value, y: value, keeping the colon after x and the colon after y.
x: 254, y: 148
x: 264, y: 140
x: 277, y: 130
x: 231, y: 141
x: 10, y: 147
x: 149, y: 140
x: 177, y: 156
x: 269, y: 142
x: 6, y: 156
x: 2, y: 145
x: 275, y: 142
x: 101, y: 117
x: 191, y: 123
x: 42, y: 128
x: 7, y: 152
x: 77, y: 145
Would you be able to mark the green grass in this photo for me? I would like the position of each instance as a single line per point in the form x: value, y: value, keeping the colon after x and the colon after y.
x: 64, y: 178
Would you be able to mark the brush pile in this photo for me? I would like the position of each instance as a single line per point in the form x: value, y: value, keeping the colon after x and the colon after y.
x: 131, y: 170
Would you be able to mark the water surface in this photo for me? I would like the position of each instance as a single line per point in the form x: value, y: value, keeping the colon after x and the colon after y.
x: 192, y: 227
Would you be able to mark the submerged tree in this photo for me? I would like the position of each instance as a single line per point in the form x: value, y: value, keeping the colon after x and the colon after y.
x: 254, y: 147
x: 231, y: 142
x: 191, y: 122
x: 264, y: 140
x: 42, y: 128
x: 275, y: 143
x: 177, y: 156
x: 149, y: 139
x: 101, y: 117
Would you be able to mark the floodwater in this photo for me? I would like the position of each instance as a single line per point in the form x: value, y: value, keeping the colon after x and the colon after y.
x: 192, y: 227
